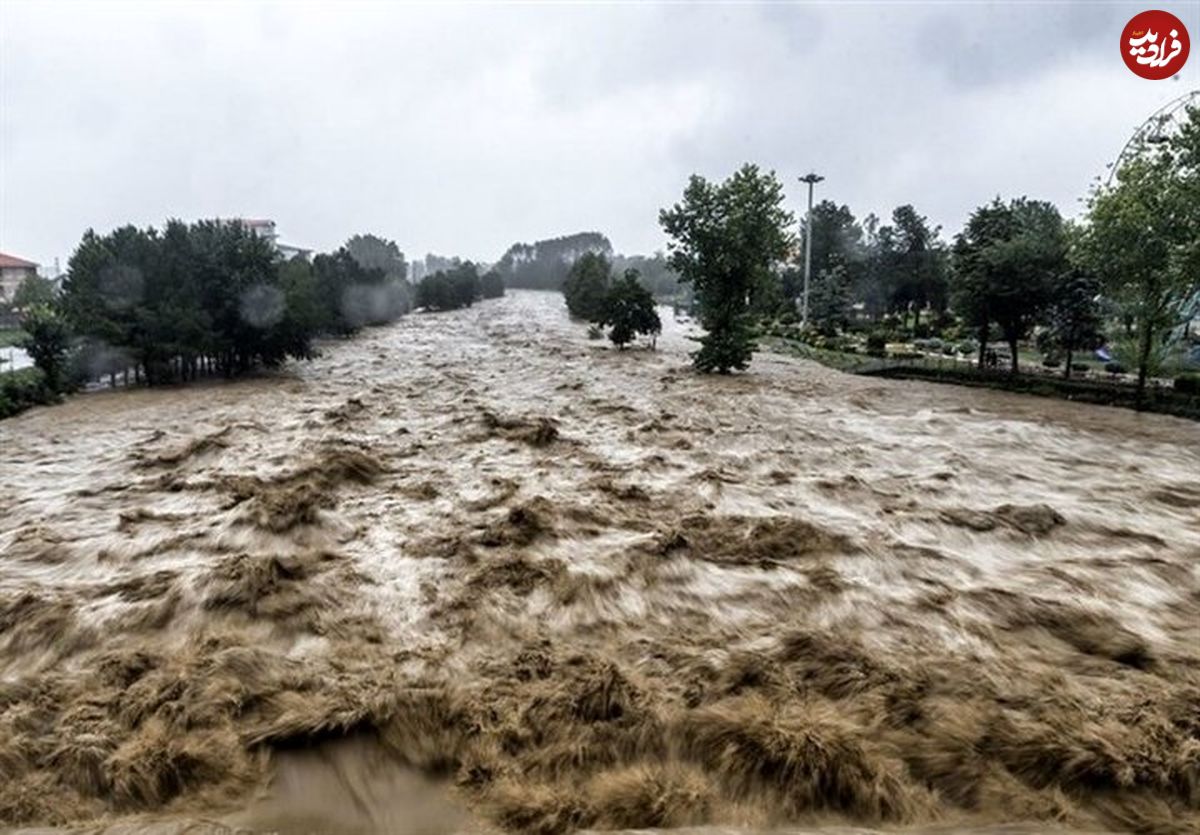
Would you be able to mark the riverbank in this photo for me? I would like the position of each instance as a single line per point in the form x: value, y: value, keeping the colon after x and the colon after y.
x: 1160, y: 396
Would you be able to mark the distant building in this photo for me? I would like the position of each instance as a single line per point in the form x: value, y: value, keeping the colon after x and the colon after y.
x: 265, y: 229
x: 287, y: 252
x: 13, y: 271
x: 262, y: 228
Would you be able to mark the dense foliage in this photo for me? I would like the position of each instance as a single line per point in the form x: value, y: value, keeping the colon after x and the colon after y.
x: 450, y: 289
x: 491, y: 285
x: 629, y: 310
x: 214, y: 297
x: 586, y: 287
x: 23, y: 389
x: 1142, y: 238
x: 190, y: 297
x: 33, y: 291
x: 1007, y: 261
x: 48, y: 344
x: 544, y: 265
x: 726, y: 239
x: 1072, y: 316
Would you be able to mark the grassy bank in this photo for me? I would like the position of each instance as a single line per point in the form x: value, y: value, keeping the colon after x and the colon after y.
x: 1113, y: 392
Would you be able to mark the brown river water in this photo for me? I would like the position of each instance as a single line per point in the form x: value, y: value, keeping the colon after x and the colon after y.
x: 475, y: 572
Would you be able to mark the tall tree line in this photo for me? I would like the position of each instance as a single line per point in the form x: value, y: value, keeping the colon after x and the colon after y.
x: 213, y: 297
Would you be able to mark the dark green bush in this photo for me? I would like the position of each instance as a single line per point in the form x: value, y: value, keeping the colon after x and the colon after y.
x: 1114, y: 368
x: 491, y: 285
x: 20, y: 390
x: 1188, y: 384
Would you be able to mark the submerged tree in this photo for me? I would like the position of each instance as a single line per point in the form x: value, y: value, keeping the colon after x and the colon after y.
x: 450, y: 289
x: 491, y: 285
x: 726, y: 239
x: 206, y: 296
x: 586, y: 287
x: 629, y: 310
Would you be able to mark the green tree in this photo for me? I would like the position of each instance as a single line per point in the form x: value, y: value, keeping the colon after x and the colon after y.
x: 830, y: 303
x: 450, y: 289
x: 918, y: 265
x: 48, y: 343
x: 375, y: 253
x: 1073, y: 321
x: 629, y: 310
x: 1006, y: 260
x: 33, y: 291
x: 543, y: 265
x: 194, y: 298
x: 390, y: 294
x: 1142, y: 237
x: 491, y: 285
x: 726, y: 239
x: 586, y: 287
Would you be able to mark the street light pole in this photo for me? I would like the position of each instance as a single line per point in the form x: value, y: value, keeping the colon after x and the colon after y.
x: 812, y: 180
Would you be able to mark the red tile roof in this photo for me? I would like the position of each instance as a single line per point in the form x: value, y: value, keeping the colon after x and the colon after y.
x: 7, y: 261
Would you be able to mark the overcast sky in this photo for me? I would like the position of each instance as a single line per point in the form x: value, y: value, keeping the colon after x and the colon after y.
x: 459, y: 129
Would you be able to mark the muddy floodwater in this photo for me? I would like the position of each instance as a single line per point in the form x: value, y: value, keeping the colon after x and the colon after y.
x: 474, y: 572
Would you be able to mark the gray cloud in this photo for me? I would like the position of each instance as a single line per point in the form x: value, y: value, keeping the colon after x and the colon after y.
x: 461, y: 128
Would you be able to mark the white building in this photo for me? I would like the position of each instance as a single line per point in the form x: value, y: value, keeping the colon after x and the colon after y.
x: 265, y: 229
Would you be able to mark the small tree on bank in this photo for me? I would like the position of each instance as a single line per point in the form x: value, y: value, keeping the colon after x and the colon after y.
x: 630, y: 310
x: 1073, y: 316
x: 726, y: 238
x: 48, y: 343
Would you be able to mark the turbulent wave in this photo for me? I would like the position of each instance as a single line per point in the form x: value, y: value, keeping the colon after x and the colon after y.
x: 473, y: 571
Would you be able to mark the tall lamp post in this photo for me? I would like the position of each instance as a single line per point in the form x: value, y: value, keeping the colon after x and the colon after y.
x: 812, y: 180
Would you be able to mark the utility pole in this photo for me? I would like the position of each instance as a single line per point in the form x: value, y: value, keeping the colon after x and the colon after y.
x: 812, y: 180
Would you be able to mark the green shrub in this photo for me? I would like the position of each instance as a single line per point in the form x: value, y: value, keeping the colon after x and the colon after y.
x: 1188, y: 384
x: 968, y: 347
x: 1051, y: 362
x: 19, y: 390
x: 1081, y: 367
x: 1114, y: 368
x: 876, y: 344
